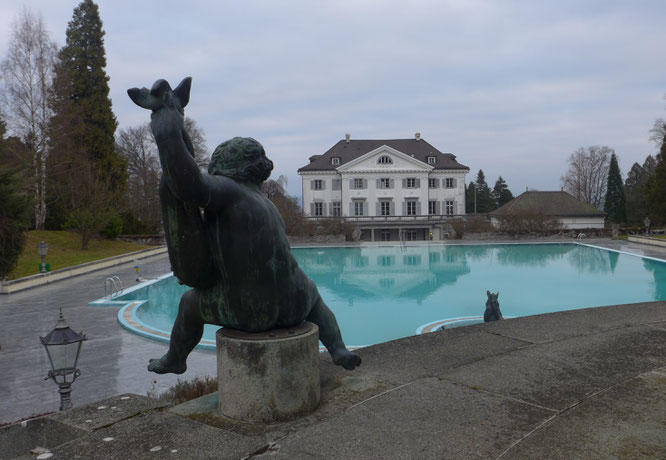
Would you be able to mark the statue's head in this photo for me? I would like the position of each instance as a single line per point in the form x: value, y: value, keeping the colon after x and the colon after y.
x: 242, y: 159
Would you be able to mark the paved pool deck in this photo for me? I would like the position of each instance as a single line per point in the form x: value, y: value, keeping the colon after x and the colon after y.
x: 576, y: 384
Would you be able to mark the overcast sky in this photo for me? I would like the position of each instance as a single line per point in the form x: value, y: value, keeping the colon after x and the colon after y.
x: 511, y: 87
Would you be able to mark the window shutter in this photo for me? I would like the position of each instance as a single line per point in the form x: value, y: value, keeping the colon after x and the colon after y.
x: 436, y: 183
x: 365, y: 208
x: 418, y: 208
x: 391, y: 183
x: 311, y: 185
x: 455, y: 182
x: 404, y: 183
x: 351, y: 208
x: 404, y: 208
x: 455, y: 208
x: 392, y: 209
x: 378, y: 184
x: 323, y: 209
x: 377, y: 209
x: 418, y: 183
x: 323, y: 184
x: 437, y: 208
x: 311, y: 209
x: 351, y: 183
x: 365, y: 183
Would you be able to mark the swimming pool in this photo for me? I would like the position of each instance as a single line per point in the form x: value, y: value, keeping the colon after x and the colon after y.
x: 382, y: 293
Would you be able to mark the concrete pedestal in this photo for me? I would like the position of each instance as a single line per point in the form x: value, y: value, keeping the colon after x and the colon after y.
x: 268, y: 376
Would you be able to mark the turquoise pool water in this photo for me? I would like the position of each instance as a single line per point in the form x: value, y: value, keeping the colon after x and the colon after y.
x: 384, y: 293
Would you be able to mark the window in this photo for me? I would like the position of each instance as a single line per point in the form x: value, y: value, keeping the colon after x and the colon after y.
x: 358, y: 206
x: 431, y: 160
x: 317, y: 184
x: 434, y: 257
x: 386, y: 282
x: 411, y: 259
x: 319, y: 209
x: 411, y: 208
x: 385, y: 160
x: 358, y: 184
x: 384, y: 182
x: 385, y: 261
x: 385, y: 208
x: 386, y: 235
x: 433, y: 183
x: 335, y: 161
x: 410, y: 182
x: 450, y: 182
x: 361, y: 261
x: 336, y: 209
x: 410, y: 235
x: 449, y: 208
x: 432, y: 207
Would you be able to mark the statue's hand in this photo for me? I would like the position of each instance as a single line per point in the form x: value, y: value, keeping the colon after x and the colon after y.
x: 161, y: 96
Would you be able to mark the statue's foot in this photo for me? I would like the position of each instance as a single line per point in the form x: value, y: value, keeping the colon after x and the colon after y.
x: 345, y: 358
x: 166, y: 366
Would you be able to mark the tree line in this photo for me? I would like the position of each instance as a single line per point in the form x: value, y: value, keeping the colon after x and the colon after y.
x: 480, y: 198
x: 594, y: 177
x: 62, y: 163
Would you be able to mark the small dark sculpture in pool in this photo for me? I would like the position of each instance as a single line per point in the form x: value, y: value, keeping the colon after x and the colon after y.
x: 226, y: 240
x: 492, y: 312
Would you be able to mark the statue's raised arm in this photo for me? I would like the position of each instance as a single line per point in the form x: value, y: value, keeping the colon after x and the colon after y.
x: 181, y: 173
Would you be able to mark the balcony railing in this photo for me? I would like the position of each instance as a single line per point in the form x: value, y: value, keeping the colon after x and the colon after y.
x: 393, y: 219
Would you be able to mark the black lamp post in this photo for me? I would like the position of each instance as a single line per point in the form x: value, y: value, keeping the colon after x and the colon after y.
x: 43, y: 249
x: 63, y: 346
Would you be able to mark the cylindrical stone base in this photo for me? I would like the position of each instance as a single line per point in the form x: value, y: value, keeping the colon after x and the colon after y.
x: 268, y: 376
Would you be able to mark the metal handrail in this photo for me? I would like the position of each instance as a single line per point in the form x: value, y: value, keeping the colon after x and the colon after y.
x: 113, y: 287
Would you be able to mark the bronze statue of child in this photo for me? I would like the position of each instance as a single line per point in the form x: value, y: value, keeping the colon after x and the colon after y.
x: 226, y: 240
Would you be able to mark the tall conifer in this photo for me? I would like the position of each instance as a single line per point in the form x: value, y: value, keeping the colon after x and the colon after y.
x: 82, y: 93
x: 615, y: 202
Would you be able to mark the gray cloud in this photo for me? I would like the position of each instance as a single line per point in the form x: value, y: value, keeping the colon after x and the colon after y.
x: 511, y: 87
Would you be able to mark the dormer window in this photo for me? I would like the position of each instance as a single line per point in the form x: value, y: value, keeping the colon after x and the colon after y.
x: 335, y: 161
x: 431, y: 160
x: 385, y: 160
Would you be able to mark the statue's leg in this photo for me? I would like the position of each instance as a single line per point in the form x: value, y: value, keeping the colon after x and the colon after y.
x: 185, y: 335
x: 329, y: 334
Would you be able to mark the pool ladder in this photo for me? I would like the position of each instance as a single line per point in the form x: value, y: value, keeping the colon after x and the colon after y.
x: 113, y: 287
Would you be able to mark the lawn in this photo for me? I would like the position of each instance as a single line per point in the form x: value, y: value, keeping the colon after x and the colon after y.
x: 65, y: 251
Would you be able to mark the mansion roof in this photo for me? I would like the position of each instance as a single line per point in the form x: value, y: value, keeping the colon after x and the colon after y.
x: 348, y: 150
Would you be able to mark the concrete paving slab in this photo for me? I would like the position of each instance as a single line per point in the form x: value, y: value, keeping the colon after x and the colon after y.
x: 107, y: 411
x: 433, y: 353
x: 21, y: 438
x: 612, y: 424
x: 160, y: 435
x: 560, y: 374
x: 547, y: 327
x: 426, y: 419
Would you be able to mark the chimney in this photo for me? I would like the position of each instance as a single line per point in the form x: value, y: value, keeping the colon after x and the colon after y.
x: 347, y: 137
x: 417, y: 136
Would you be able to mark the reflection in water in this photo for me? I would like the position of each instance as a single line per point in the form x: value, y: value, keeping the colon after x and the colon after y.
x: 386, y: 272
x: 525, y: 255
x: 587, y: 259
x: 659, y: 273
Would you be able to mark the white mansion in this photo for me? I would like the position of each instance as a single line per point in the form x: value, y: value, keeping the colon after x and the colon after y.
x: 393, y: 189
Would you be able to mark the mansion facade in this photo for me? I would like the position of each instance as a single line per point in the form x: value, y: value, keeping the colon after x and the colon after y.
x: 399, y: 189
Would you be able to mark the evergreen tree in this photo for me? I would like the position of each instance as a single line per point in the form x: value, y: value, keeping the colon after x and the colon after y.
x: 501, y: 193
x: 655, y: 190
x: 82, y: 93
x: 614, y: 204
x: 634, y: 190
x: 470, y: 200
x: 15, y: 211
x: 484, y: 197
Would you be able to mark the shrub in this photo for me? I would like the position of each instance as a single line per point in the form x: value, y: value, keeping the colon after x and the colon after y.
x: 15, y: 215
x: 134, y: 226
x: 185, y: 390
x: 113, y: 227
x: 526, y: 223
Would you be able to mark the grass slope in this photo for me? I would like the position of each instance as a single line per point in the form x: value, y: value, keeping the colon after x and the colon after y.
x: 65, y: 251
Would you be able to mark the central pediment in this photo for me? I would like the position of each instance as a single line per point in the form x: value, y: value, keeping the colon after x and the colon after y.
x: 385, y: 158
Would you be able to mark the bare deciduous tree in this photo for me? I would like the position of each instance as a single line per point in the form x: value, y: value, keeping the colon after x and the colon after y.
x: 138, y: 147
x: 587, y: 174
x: 198, y: 139
x: 27, y: 80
